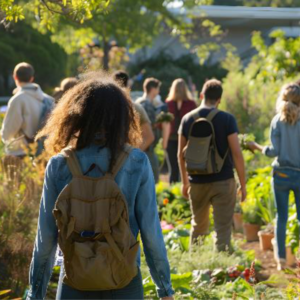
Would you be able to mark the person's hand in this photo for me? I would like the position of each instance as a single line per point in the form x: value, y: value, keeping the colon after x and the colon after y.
x: 168, y: 298
x: 184, y: 190
x: 243, y: 193
x: 252, y: 146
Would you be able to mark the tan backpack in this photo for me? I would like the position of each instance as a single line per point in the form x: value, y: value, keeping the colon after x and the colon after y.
x: 94, y: 235
x: 201, y: 153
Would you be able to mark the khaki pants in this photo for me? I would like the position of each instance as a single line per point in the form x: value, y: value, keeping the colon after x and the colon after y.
x: 222, y: 196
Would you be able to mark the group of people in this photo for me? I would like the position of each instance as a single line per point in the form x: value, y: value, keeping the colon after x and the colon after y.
x: 96, y: 132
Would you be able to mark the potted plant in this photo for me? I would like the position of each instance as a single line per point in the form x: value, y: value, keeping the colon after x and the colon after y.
x: 267, y: 214
x: 252, y: 220
x: 238, y: 217
x: 265, y: 237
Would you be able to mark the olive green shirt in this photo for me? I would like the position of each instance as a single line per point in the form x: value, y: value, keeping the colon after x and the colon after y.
x: 142, y: 114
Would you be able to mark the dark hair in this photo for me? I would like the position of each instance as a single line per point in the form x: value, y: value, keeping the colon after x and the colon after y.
x: 93, y: 107
x: 65, y: 85
x: 121, y: 77
x: 151, y: 83
x: 212, y: 90
x: 24, y: 72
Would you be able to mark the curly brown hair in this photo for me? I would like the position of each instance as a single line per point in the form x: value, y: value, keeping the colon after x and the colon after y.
x: 96, y: 106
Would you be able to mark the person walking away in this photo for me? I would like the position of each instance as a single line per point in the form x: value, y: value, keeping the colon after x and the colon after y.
x: 207, y: 152
x: 26, y: 112
x: 147, y: 134
x: 151, y: 88
x: 98, y: 197
x: 65, y: 85
x: 179, y: 103
x: 285, y: 142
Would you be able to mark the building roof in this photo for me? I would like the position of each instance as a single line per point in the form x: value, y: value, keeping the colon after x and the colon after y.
x: 244, y: 12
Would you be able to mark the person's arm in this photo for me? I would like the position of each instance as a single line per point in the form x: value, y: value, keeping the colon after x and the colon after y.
x: 46, y: 239
x: 147, y: 135
x: 239, y: 163
x: 273, y: 150
x: 166, y: 129
x: 151, y: 233
x: 182, y: 142
x: 13, y: 120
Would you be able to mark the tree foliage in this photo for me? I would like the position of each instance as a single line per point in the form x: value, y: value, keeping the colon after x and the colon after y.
x: 48, y: 11
x: 251, y: 93
x: 23, y: 43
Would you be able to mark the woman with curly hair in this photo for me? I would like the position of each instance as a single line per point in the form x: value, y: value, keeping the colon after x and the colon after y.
x: 97, y: 121
x: 285, y: 142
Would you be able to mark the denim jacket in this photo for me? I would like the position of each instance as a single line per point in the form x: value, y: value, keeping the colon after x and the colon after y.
x: 135, y: 180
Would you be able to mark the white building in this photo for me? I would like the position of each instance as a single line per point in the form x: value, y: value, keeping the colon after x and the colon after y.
x: 238, y: 23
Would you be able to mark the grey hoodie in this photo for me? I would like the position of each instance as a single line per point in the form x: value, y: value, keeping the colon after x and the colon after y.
x: 22, y: 118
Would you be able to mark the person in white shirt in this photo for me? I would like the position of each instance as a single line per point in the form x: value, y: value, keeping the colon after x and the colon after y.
x: 22, y: 119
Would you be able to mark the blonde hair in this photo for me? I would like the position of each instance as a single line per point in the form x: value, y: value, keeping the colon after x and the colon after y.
x: 288, y: 104
x: 179, y: 91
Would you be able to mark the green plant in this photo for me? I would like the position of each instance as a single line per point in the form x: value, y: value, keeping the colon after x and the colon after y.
x: 250, y: 212
x: 260, y: 192
x: 20, y: 191
x: 292, y: 231
x: 173, y: 208
x: 244, y: 139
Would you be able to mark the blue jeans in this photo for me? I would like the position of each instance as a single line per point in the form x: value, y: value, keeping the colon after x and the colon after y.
x: 134, y: 290
x: 284, y: 181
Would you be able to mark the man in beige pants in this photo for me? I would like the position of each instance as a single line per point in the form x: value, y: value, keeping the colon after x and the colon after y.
x: 218, y: 189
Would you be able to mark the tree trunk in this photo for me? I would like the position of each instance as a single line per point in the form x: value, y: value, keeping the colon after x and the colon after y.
x: 106, y: 49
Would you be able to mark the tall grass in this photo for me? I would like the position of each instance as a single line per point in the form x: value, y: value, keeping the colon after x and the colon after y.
x: 20, y: 191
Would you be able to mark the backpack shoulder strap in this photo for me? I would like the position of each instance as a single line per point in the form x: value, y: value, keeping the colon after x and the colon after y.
x: 120, y: 161
x: 212, y: 114
x: 196, y: 115
x: 72, y: 162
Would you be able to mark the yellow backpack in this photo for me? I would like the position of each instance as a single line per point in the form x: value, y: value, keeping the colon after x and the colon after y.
x: 94, y: 234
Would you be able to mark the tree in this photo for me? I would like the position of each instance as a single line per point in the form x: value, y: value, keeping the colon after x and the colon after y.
x: 79, y: 10
x: 126, y: 23
x: 26, y: 44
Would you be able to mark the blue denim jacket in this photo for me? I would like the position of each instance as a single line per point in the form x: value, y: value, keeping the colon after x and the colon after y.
x: 135, y: 180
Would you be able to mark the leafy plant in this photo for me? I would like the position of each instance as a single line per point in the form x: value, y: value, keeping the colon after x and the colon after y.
x: 244, y: 139
x: 173, y: 208
x: 250, y: 212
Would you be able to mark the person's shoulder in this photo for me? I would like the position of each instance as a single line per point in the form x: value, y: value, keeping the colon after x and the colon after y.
x: 48, y: 97
x: 226, y: 115
x: 276, y: 121
x: 190, y: 115
x: 276, y: 118
x: 17, y: 97
x: 57, y: 161
x: 137, y: 155
x: 138, y: 107
x: 140, y: 100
